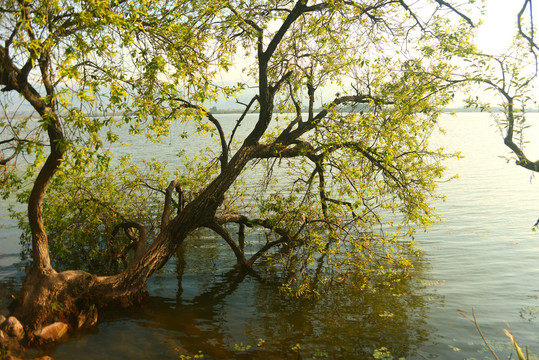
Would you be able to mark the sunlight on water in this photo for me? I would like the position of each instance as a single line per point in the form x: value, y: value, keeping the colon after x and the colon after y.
x: 484, y: 250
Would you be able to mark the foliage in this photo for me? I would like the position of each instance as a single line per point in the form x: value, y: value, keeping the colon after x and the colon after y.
x: 97, y: 199
x: 344, y: 187
x: 511, y: 79
x: 197, y: 356
x: 383, y: 354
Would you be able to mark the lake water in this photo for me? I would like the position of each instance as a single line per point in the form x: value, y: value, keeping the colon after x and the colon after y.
x: 482, y: 254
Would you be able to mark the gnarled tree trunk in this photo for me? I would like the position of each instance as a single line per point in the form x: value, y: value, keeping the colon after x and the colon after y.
x: 47, y: 295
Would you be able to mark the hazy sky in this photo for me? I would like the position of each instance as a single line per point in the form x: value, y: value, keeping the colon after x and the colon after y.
x: 494, y: 36
x: 500, y: 23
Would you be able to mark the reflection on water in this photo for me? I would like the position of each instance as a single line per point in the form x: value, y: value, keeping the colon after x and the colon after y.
x: 195, y: 307
x: 482, y: 254
x: 11, y: 268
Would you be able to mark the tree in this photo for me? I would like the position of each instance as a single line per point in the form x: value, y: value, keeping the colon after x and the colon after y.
x: 343, y: 184
x: 511, y: 77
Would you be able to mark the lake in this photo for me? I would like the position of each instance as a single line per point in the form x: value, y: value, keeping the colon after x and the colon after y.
x: 482, y: 254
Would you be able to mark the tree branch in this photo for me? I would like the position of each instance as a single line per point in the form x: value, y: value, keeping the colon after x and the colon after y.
x: 267, y: 92
x: 279, y: 83
x: 530, y: 38
x: 371, y: 157
x: 279, y: 150
x: 238, y: 252
x: 9, y: 41
x: 322, y: 187
x: 137, y: 244
x: 508, y: 141
x: 407, y: 8
x: 288, y: 137
x: 4, y: 161
x: 224, y: 148
x: 523, y: 160
x: 238, y: 123
x: 165, y: 216
x: 294, y: 14
x: 446, y: 4
x: 285, y: 237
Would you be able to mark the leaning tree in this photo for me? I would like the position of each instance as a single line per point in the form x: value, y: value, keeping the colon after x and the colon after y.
x: 337, y: 99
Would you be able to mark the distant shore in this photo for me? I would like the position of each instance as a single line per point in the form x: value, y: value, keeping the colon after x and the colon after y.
x: 214, y: 110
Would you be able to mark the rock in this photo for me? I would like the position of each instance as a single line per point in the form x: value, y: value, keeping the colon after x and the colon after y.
x: 8, y: 344
x: 4, y: 340
x: 51, y: 333
x: 87, y: 318
x: 12, y: 327
x: 2, y: 319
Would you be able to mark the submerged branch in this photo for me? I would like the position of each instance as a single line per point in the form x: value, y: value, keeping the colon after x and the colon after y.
x: 285, y: 237
x: 221, y: 231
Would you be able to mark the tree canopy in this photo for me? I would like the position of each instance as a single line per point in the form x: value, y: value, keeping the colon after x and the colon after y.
x: 329, y: 157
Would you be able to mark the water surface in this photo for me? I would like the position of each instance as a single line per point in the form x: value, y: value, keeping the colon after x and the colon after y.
x: 482, y: 254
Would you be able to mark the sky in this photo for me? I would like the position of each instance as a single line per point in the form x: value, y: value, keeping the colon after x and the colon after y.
x: 499, y: 26
x: 498, y: 30
x: 494, y: 35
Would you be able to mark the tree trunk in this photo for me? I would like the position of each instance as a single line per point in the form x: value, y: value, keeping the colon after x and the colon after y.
x: 66, y: 296
x: 47, y: 295
x: 69, y: 295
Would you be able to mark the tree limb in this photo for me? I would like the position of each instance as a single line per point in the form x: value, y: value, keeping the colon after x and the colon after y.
x: 522, y: 159
x: 412, y: 14
x: 224, y: 148
x: 137, y: 244
x: 267, y: 92
x: 221, y: 231
x: 534, y: 48
x: 285, y: 237
x: 448, y: 5
x: 279, y: 83
x: 238, y: 123
x: 4, y: 161
x: 312, y: 123
x: 321, y: 186
x: 165, y: 216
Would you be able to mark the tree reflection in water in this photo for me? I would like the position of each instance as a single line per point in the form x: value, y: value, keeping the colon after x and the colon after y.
x: 195, y: 306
